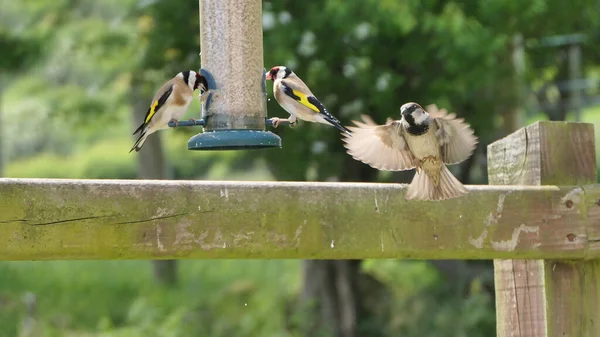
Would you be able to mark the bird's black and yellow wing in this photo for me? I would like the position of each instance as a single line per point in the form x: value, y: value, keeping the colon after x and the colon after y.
x: 308, y: 101
x: 154, y: 107
x: 311, y: 102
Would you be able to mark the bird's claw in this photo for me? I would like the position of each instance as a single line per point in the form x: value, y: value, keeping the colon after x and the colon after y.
x: 176, y: 122
x: 193, y: 121
x: 275, y: 122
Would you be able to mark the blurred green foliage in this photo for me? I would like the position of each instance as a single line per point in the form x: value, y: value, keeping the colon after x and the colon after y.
x: 78, y: 299
x: 376, y: 56
x: 239, y: 298
x: 380, y: 54
x: 69, y: 66
x: 101, y: 161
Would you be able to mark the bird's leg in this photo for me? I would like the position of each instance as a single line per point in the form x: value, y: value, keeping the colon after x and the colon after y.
x: 192, y: 120
x: 176, y: 122
x: 293, y: 121
x: 275, y: 122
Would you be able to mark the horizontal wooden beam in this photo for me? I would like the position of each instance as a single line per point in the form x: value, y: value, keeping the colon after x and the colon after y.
x: 143, y: 219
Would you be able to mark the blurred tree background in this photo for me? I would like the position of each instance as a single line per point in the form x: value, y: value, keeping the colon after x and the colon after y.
x: 77, y: 75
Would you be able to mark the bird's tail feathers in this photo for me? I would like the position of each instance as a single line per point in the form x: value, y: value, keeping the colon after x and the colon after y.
x: 140, y: 128
x: 140, y: 142
x: 422, y: 187
x: 336, y: 124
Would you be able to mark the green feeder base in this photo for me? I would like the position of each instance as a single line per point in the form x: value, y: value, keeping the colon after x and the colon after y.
x: 234, y: 140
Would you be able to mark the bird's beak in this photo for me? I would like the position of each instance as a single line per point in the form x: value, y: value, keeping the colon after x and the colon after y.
x: 269, y: 77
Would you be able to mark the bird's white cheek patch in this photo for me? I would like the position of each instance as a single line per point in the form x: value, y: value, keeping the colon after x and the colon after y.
x: 420, y: 118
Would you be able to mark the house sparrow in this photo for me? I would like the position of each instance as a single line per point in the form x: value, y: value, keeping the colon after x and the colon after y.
x: 169, y: 104
x: 297, y: 99
x: 421, y: 140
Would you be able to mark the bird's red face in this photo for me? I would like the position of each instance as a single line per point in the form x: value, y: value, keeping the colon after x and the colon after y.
x: 272, y: 74
x: 200, y: 83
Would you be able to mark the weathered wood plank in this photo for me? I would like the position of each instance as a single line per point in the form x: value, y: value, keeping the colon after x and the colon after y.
x: 145, y: 219
x: 544, y: 153
x: 573, y: 289
x: 514, y: 281
x: 539, y: 298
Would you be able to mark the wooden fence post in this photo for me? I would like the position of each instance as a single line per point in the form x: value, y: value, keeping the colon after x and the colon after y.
x: 543, y: 298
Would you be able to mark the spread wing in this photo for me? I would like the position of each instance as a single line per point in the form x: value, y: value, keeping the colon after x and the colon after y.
x: 380, y: 146
x: 456, y: 137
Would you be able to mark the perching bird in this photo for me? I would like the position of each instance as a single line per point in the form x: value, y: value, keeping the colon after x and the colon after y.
x: 297, y: 99
x: 421, y: 140
x: 169, y: 104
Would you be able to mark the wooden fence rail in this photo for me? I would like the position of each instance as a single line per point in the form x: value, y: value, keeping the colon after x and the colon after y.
x: 101, y: 219
x: 551, y: 212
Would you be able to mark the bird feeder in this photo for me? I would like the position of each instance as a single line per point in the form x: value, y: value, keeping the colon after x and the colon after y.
x: 234, y: 108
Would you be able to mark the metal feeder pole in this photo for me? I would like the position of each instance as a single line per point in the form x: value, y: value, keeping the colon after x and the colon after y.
x: 234, y: 109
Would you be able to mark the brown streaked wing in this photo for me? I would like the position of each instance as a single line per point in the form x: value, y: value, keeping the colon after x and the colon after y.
x: 381, y: 146
x: 456, y: 137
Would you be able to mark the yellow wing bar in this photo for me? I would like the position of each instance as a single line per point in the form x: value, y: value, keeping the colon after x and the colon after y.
x: 152, y: 111
x: 303, y: 99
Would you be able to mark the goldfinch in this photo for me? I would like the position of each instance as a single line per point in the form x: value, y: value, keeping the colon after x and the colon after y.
x: 297, y: 99
x: 421, y: 140
x: 169, y: 104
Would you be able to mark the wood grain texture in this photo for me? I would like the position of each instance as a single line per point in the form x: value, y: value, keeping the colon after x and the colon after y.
x: 544, y: 153
x: 572, y: 293
x: 147, y: 219
x: 516, y: 282
x: 545, y: 297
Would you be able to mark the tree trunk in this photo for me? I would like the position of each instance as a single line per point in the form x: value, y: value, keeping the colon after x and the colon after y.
x: 331, y: 298
x: 1, y: 128
x: 152, y: 165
